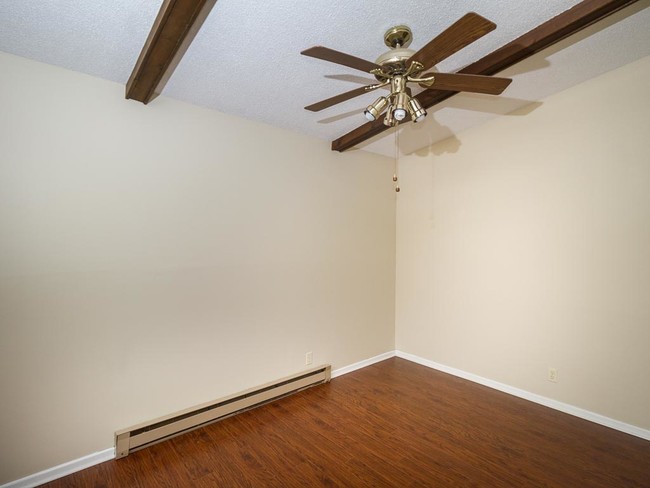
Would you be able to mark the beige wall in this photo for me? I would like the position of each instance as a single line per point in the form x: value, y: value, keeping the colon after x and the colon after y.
x: 153, y: 258
x: 525, y: 244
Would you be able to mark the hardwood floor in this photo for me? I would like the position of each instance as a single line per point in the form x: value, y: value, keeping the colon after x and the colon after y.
x: 391, y: 424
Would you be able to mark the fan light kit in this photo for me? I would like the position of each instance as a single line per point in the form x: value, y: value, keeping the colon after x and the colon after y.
x: 399, y: 66
x: 400, y: 101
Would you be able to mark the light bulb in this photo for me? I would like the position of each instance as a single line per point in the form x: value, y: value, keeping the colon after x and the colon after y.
x: 369, y: 116
x: 399, y: 114
x: 401, y: 102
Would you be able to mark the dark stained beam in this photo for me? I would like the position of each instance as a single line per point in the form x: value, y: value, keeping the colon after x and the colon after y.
x: 177, y: 23
x: 541, y: 37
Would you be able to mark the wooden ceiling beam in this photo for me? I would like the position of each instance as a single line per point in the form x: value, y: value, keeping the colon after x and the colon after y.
x: 545, y: 35
x: 177, y: 23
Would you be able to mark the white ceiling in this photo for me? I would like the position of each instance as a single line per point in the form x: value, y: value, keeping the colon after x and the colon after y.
x: 246, y: 58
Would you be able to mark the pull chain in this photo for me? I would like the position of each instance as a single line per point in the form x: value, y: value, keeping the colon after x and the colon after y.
x: 395, y: 174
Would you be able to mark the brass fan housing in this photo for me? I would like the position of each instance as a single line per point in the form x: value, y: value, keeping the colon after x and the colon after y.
x: 395, y: 56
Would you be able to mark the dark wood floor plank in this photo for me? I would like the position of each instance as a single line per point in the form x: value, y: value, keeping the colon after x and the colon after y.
x: 391, y: 424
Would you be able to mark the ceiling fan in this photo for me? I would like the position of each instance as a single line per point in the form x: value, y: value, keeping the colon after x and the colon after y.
x: 400, y: 66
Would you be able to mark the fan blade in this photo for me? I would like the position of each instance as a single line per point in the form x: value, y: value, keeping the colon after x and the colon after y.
x: 317, y: 107
x: 469, y: 83
x: 337, y: 57
x: 463, y: 32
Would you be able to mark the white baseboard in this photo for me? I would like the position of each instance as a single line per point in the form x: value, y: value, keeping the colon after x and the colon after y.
x: 62, y: 469
x: 70, y: 467
x: 362, y: 364
x: 108, y: 454
x: 533, y: 397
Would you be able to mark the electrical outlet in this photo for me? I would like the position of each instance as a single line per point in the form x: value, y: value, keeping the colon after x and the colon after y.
x: 309, y: 357
x: 552, y: 375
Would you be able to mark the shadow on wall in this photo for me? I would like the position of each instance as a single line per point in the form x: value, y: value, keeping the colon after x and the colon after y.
x: 488, y: 104
x: 413, y: 135
x: 441, y: 139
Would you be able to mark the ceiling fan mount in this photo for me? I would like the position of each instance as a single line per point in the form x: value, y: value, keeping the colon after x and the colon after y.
x: 398, y: 36
x: 400, y: 66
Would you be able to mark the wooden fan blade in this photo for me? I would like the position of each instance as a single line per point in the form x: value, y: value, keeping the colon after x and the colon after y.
x: 317, y: 107
x: 337, y: 57
x: 463, y: 32
x: 469, y: 83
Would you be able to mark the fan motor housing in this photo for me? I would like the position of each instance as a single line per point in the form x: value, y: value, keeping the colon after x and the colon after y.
x: 395, y: 56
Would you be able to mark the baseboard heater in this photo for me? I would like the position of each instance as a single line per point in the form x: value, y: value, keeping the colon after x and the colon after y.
x: 149, y: 433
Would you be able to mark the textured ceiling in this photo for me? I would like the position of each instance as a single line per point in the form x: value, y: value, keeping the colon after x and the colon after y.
x: 246, y: 58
